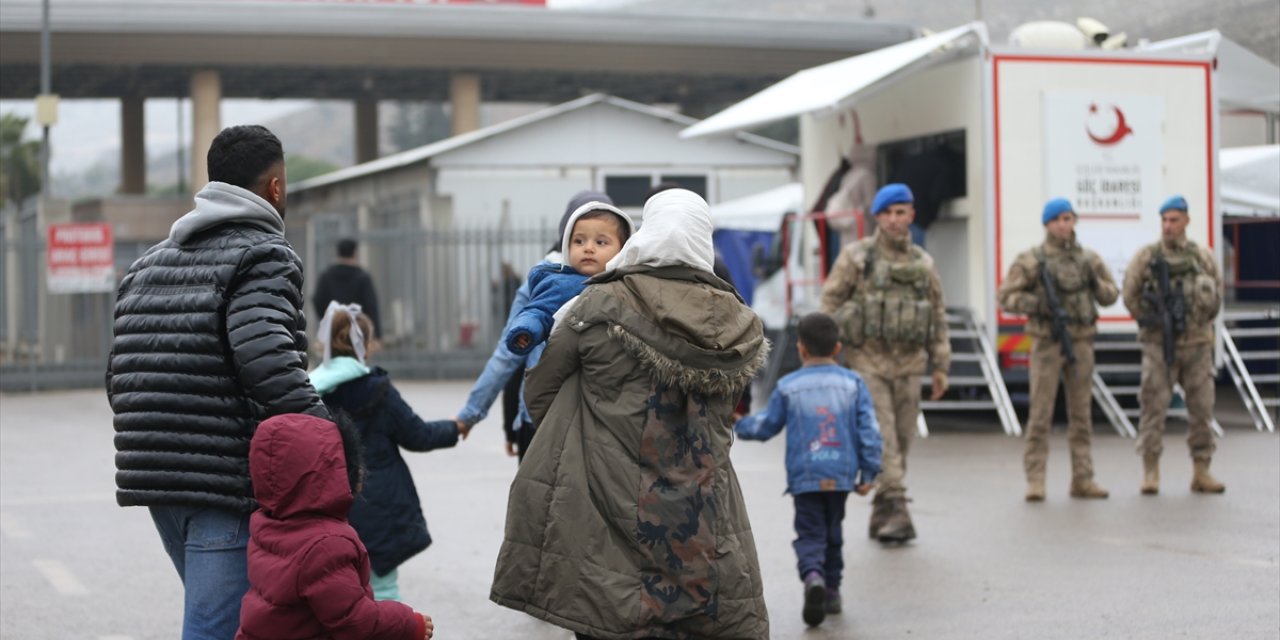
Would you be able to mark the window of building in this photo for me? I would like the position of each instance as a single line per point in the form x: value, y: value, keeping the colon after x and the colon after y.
x: 694, y: 183
x: 628, y: 191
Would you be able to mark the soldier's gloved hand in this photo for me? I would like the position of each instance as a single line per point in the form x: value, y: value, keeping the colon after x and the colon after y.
x: 939, y: 385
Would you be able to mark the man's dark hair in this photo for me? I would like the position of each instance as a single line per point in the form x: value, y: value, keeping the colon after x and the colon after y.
x: 819, y: 334
x: 240, y: 155
x: 351, y: 449
x: 624, y: 229
x: 346, y: 248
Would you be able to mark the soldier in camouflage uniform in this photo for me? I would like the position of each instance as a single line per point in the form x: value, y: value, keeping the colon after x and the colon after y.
x: 1183, y: 314
x: 885, y: 294
x: 1080, y: 282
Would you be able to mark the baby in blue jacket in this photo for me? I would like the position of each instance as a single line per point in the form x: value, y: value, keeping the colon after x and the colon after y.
x: 593, y: 235
x: 833, y: 447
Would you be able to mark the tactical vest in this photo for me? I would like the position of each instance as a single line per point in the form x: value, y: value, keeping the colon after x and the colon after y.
x: 1072, y: 278
x: 891, y: 304
x: 1198, y: 289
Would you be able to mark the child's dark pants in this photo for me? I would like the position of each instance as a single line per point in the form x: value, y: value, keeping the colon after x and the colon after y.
x: 819, y: 539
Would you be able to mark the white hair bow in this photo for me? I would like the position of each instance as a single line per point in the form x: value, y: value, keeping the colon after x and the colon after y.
x: 325, y: 330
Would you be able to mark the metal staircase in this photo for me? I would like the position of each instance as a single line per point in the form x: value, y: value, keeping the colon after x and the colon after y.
x: 1252, y: 342
x: 1117, y: 383
x: 974, y: 376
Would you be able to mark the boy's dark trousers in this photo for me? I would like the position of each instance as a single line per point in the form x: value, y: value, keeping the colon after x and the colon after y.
x: 819, y: 538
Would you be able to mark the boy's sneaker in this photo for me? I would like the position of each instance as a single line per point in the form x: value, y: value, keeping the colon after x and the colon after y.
x: 833, y: 602
x: 815, y: 598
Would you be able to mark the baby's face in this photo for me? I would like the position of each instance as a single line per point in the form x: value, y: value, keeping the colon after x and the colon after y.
x: 594, y: 242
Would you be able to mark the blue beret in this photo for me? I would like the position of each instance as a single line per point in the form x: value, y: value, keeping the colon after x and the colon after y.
x: 1055, y: 208
x: 891, y: 194
x: 1175, y: 202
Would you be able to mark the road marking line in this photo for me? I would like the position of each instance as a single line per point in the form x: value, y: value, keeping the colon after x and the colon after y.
x: 60, y: 577
x: 115, y: 637
x: 12, y: 528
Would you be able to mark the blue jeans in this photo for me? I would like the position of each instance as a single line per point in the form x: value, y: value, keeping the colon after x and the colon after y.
x: 819, y: 538
x: 208, y: 548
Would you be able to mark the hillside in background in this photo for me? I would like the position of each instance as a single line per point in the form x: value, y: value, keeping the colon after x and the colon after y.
x: 1255, y: 24
x: 319, y: 135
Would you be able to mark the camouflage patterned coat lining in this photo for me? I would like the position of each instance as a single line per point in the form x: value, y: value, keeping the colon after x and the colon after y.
x: 626, y: 519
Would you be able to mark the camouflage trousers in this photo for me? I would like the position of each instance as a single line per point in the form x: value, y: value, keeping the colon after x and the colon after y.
x: 897, y: 402
x: 1193, y: 369
x: 1047, y: 364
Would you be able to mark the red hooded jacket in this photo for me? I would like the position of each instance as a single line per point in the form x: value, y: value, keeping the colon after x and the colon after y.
x: 308, y: 571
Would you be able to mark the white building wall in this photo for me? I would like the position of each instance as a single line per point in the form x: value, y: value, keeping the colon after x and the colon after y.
x: 524, y: 198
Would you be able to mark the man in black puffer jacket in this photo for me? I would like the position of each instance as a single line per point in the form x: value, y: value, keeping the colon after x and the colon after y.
x: 210, y: 340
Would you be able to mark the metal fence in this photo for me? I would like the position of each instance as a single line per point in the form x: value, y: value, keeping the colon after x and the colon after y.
x: 443, y: 296
x: 49, y: 341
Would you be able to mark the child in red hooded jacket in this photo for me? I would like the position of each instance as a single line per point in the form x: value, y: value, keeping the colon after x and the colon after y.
x: 308, y: 571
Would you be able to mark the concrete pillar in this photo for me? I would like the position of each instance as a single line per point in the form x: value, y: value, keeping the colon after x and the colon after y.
x: 366, y: 129
x: 133, y: 149
x: 464, y: 97
x: 206, y: 122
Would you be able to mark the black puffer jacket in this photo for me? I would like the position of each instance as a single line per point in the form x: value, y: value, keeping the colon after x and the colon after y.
x: 387, y: 513
x: 209, y: 340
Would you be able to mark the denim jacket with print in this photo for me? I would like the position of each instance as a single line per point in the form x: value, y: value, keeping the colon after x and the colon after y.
x: 833, y: 439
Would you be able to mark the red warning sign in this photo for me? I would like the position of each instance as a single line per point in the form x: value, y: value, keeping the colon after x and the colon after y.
x: 81, y: 258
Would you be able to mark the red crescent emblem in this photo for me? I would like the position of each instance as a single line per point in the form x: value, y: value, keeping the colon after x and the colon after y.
x: 1122, y: 128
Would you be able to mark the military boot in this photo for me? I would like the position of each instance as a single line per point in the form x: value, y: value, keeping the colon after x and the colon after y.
x: 879, y: 513
x: 897, y: 527
x: 1201, y: 481
x: 1035, y: 489
x: 1150, y: 475
x: 1087, y: 488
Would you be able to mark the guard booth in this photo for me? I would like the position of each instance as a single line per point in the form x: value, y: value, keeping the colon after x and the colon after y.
x: 985, y: 135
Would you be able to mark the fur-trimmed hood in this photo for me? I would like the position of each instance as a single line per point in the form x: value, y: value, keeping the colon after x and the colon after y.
x: 688, y: 335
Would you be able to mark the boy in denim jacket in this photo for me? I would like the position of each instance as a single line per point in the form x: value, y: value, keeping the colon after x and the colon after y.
x: 833, y: 447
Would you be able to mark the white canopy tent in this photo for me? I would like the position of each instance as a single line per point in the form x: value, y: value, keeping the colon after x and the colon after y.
x: 1250, y: 178
x: 758, y: 212
x: 829, y: 86
x: 1245, y: 80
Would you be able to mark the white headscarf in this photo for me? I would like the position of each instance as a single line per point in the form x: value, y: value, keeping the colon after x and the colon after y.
x: 676, y: 231
x: 325, y: 331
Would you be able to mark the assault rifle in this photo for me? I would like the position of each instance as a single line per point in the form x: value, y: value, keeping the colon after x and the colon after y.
x: 1168, y: 307
x: 1057, y: 317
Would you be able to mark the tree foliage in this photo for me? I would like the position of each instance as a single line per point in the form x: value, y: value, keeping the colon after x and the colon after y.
x: 298, y: 168
x: 19, y: 160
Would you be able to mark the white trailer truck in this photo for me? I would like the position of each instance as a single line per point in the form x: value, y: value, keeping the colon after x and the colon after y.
x: 987, y: 134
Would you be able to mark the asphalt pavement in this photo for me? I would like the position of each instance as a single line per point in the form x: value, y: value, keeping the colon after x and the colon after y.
x: 986, y: 564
